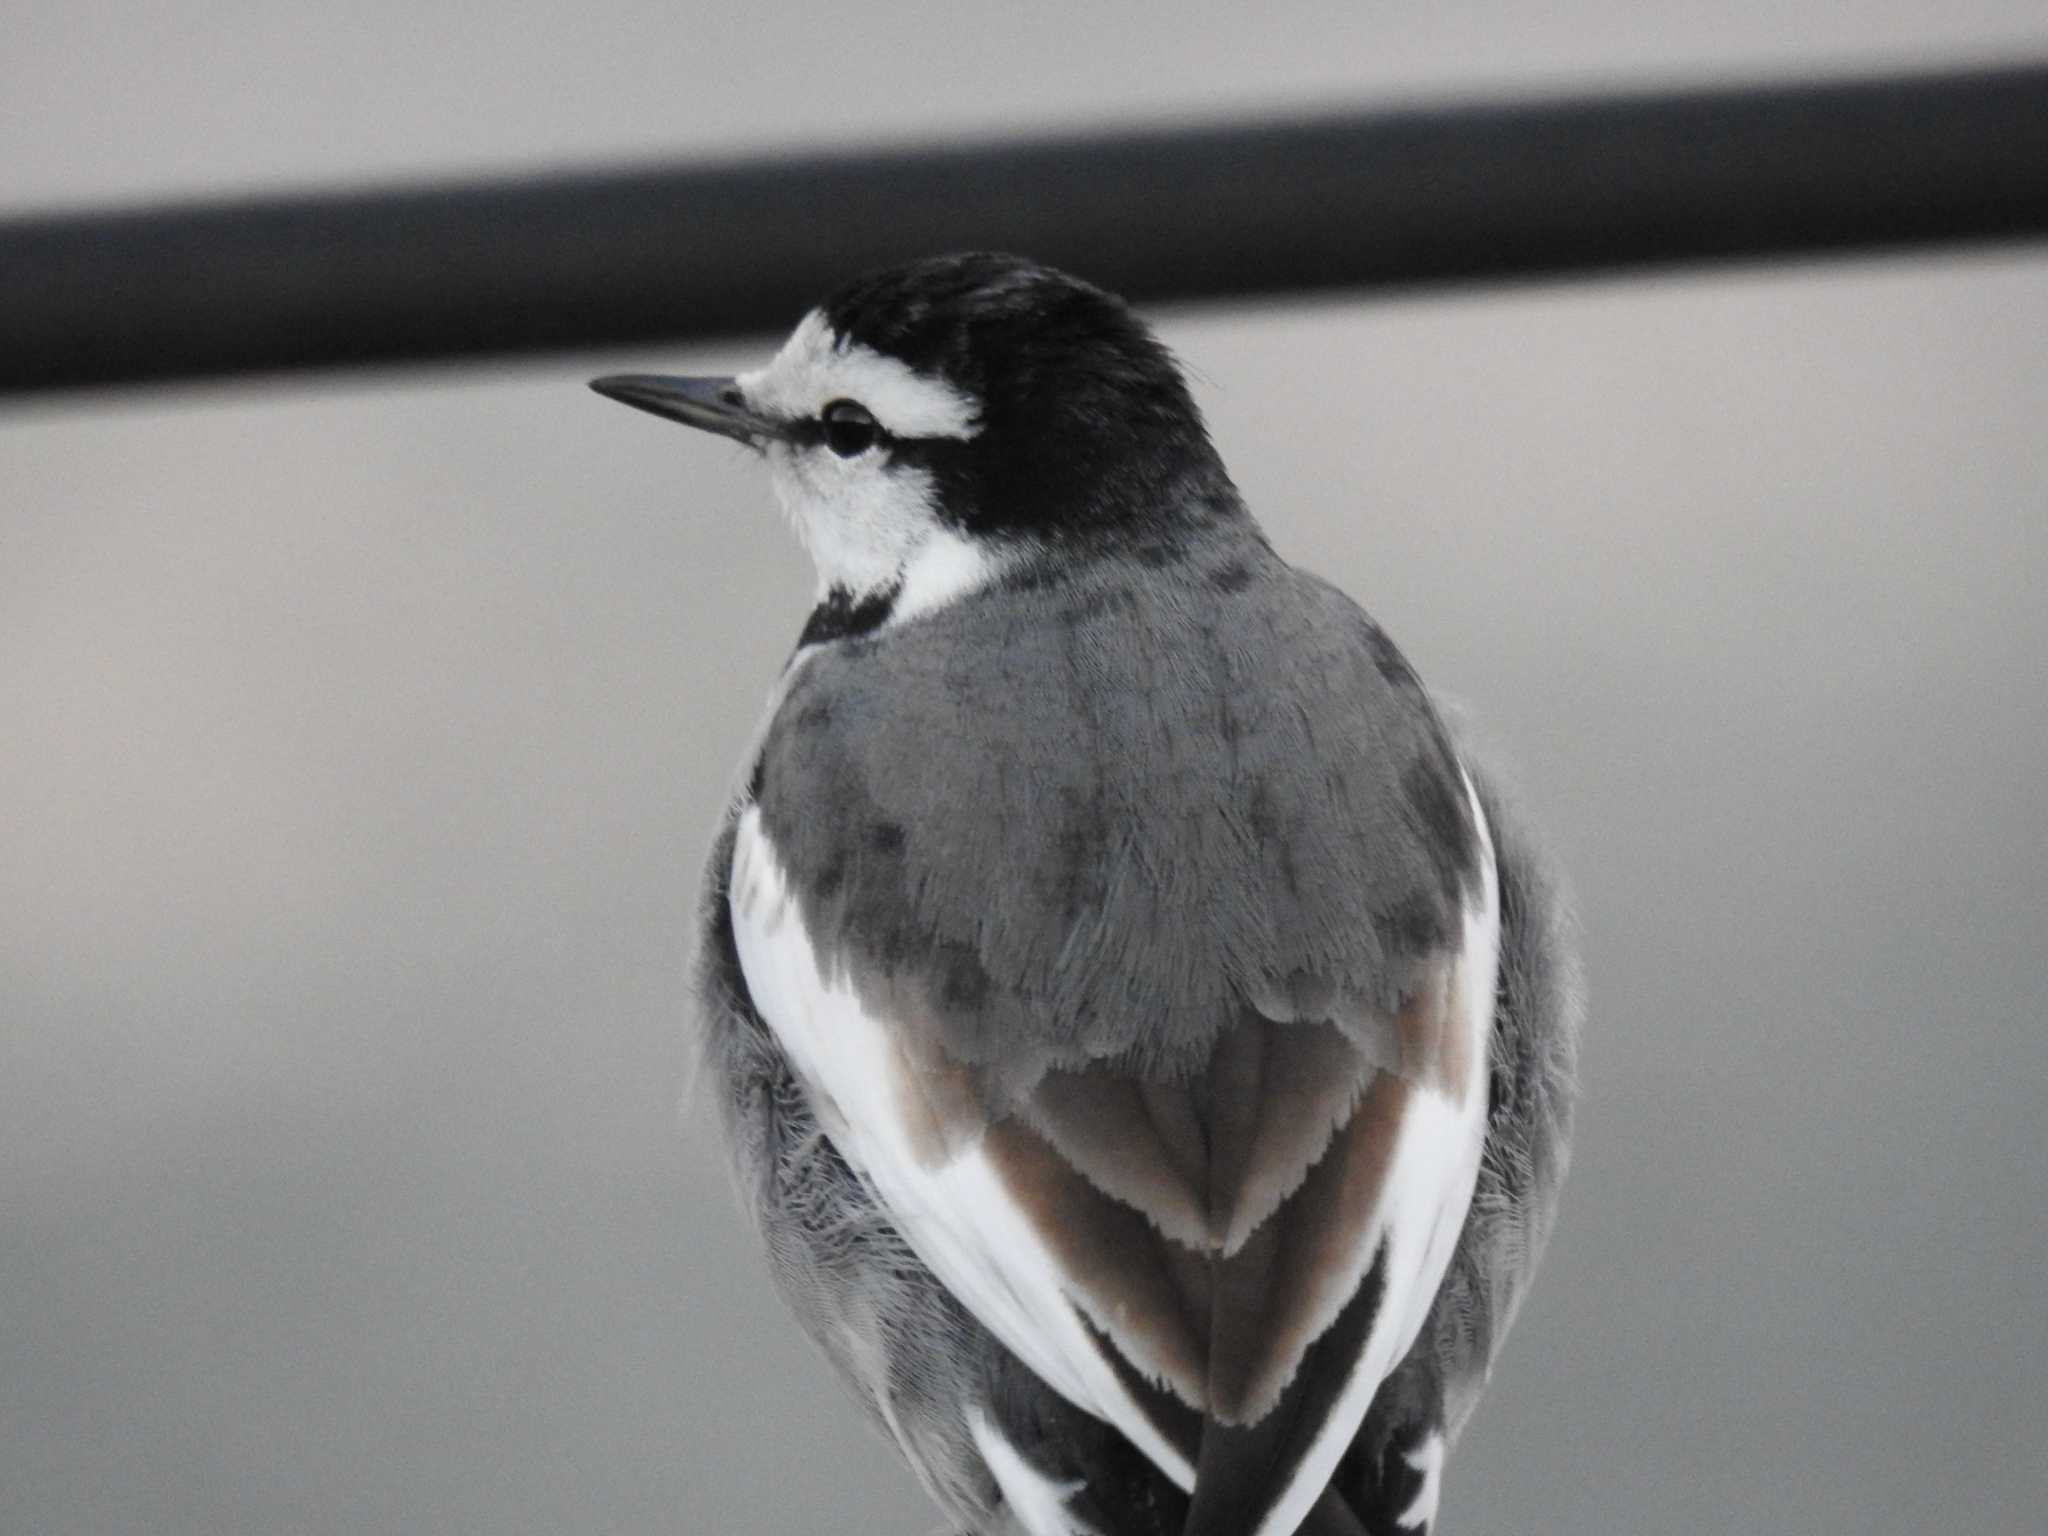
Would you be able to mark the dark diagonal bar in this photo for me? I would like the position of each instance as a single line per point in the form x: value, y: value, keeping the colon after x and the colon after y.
x: 1363, y: 202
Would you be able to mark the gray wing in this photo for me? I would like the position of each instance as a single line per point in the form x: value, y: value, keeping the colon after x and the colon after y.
x: 1395, y: 1465
x: 1532, y: 1091
x: 915, y: 1360
x: 898, y: 1339
x: 920, y: 1365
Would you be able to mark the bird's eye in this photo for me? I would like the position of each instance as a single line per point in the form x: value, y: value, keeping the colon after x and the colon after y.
x: 849, y: 429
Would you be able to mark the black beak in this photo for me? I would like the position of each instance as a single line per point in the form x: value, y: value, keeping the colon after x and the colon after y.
x: 716, y: 405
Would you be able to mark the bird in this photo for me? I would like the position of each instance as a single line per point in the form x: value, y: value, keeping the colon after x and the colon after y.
x: 1143, y: 1029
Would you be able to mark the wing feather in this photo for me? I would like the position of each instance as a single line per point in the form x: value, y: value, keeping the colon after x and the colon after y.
x: 1223, y: 1264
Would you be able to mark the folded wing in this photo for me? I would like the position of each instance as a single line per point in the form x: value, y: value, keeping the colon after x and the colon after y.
x: 1223, y: 1259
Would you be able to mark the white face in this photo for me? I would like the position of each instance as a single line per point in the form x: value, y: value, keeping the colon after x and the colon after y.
x: 869, y: 523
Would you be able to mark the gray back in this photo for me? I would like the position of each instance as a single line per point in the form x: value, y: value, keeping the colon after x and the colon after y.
x: 1098, y: 809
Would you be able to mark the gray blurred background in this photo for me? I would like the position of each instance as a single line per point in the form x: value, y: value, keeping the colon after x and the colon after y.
x: 359, y: 741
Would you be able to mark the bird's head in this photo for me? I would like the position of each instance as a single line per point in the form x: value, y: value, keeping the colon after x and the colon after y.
x: 931, y: 424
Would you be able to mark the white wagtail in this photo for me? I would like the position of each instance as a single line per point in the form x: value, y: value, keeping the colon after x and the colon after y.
x: 1145, y: 1038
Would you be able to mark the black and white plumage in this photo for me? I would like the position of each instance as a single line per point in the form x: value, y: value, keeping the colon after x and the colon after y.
x: 1145, y: 1035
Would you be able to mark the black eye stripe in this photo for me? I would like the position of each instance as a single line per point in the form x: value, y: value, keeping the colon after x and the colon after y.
x: 811, y: 431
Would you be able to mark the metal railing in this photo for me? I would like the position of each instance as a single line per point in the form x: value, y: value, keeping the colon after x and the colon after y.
x: 1362, y: 202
